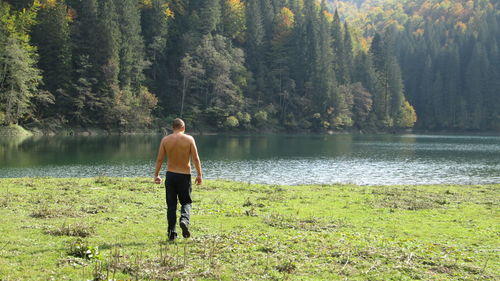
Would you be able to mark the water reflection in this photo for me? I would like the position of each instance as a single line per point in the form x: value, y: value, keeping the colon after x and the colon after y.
x: 361, y: 159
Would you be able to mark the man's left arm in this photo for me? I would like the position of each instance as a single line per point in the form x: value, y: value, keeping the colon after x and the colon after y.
x: 159, y: 162
x: 196, y: 160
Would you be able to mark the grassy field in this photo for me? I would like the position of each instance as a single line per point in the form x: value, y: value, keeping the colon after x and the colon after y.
x: 115, y: 228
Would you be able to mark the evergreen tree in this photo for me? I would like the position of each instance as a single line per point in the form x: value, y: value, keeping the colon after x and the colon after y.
x: 131, y: 46
x: 51, y: 36
x: 154, y: 22
x: 348, y: 56
x: 210, y: 16
x: 325, y: 77
x: 254, y: 49
x: 338, y: 49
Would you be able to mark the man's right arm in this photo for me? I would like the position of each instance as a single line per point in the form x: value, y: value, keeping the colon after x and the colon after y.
x: 196, y: 160
x: 159, y: 161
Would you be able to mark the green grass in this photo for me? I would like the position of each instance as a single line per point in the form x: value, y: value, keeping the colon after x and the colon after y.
x: 115, y: 228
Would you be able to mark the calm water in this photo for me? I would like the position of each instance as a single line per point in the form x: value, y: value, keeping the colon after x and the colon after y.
x: 360, y: 159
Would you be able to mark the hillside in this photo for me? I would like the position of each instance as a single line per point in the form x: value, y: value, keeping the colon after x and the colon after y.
x: 234, y: 65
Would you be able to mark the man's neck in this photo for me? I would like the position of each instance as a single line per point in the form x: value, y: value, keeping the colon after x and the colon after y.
x: 178, y: 132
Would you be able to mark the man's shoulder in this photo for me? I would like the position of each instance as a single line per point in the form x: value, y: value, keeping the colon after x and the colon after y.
x: 189, y: 137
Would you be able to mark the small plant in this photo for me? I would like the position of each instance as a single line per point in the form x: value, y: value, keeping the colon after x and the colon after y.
x: 98, y: 273
x: 103, y: 180
x: 250, y: 203
x: 251, y: 212
x: 4, y: 202
x: 80, y: 249
x: 94, y: 209
x: 77, y: 229
x: 218, y: 201
x: 45, y: 212
x: 287, y: 267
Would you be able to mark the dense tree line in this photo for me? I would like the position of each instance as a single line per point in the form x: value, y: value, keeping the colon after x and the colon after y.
x: 449, y: 56
x: 234, y: 65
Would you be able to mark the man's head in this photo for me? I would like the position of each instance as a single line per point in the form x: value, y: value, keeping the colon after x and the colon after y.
x: 178, y: 125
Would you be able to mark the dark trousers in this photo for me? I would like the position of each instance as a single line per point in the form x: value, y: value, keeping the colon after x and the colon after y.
x: 178, y: 186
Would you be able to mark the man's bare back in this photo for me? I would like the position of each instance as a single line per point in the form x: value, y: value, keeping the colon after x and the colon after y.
x: 178, y: 148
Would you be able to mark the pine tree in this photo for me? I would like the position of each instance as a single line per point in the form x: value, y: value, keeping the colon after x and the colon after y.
x: 51, y: 36
x: 325, y: 83
x: 82, y: 100
x: 338, y: 49
x: 255, y: 48
x: 131, y: 46
x: 210, y: 16
x: 280, y: 77
x: 348, y: 54
x: 155, y: 27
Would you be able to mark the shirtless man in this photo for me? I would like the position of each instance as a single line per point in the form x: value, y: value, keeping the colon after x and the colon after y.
x: 179, y: 148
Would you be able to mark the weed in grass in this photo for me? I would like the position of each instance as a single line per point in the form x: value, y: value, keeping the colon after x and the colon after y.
x: 94, y: 209
x: 251, y: 212
x: 218, y: 201
x: 78, y: 229
x: 273, y: 197
x: 98, y: 271
x: 103, y: 180
x: 80, y: 249
x: 408, y: 199
x: 73, y: 261
x: 164, y: 267
x: 287, y: 266
x: 249, y: 203
x: 45, y: 212
x: 308, y: 224
x: 5, y: 200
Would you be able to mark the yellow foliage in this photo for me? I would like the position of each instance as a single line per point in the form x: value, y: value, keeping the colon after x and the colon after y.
x: 49, y: 3
x: 419, y: 32
x: 284, y: 25
x: 408, y: 116
x: 286, y: 18
x: 328, y: 16
x: 457, y: 9
x: 235, y: 4
x: 167, y: 11
x: 376, y: 10
x: 147, y: 4
x: 461, y: 26
x: 233, y: 15
x: 364, y: 45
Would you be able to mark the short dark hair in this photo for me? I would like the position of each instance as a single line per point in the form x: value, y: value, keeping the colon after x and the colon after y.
x: 177, y: 123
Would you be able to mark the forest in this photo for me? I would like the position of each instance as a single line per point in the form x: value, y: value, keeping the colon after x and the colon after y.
x: 248, y: 65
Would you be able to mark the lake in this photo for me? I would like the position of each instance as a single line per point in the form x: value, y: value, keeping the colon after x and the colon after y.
x: 270, y: 159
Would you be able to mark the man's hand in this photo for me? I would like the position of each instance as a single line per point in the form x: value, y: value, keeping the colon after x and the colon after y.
x: 198, y: 180
x: 157, y: 180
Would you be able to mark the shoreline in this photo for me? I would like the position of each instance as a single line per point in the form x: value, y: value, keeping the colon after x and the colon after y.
x: 298, y: 185
x: 18, y: 131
